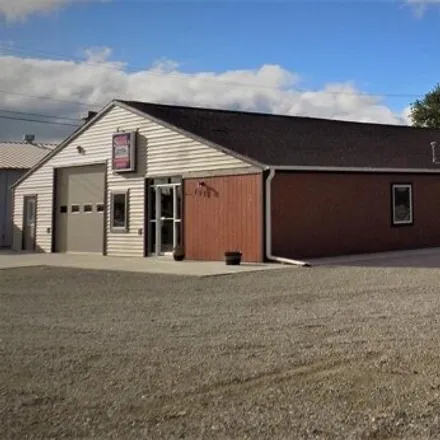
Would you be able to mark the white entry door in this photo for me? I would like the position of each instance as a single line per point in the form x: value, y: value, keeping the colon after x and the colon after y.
x: 165, y: 218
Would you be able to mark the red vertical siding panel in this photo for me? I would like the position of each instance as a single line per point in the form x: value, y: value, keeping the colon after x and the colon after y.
x: 219, y: 217
x: 328, y: 214
x: 245, y: 226
x: 237, y: 232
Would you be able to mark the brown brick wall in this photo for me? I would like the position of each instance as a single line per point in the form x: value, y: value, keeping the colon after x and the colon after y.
x: 325, y: 214
x: 224, y: 215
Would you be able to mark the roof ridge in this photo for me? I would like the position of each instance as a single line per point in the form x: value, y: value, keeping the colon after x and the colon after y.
x: 275, y: 115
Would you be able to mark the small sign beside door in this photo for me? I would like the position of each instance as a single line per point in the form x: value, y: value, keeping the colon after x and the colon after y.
x: 124, y: 152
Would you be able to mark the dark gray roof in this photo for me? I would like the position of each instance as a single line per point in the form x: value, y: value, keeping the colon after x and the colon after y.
x: 303, y: 141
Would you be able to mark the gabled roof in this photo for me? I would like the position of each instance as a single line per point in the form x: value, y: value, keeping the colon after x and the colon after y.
x: 287, y: 141
x: 22, y: 155
x: 275, y: 140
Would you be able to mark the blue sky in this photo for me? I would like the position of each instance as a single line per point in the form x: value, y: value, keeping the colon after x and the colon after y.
x: 383, y: 47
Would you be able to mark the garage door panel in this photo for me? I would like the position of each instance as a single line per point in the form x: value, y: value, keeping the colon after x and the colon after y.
x: 84, y: 232
x: 79, y: 222
x: 86, y: 187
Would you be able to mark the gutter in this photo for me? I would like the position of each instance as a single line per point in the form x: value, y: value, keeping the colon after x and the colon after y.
x: 374, y: 170
x: 268, y: 214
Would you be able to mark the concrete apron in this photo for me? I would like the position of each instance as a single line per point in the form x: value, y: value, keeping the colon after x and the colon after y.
x: 162, y: 265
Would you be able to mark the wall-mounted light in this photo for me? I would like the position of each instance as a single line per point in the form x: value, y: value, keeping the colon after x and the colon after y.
x: 80, y: 149
x: 199, y: 187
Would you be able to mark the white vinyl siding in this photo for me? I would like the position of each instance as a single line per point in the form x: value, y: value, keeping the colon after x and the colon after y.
x: 161, y: 152
x: 44, y: 191
x: 170, y: 153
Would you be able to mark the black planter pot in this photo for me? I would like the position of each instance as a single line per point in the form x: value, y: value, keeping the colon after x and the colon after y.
x: 178, y: 254
x: 232, y: 258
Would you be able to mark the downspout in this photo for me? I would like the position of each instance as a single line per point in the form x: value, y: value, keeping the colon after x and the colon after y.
x: 269, y: 254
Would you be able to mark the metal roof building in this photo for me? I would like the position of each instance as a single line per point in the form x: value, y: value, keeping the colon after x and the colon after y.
x: 15, y: 159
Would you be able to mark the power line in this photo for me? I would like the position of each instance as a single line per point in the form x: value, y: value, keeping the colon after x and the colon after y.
x: 40, y: 115
x: 39, y: 122
x: 216, y: 80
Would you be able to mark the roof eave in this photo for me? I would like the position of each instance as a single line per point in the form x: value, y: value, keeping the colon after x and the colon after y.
x: 354, y: 169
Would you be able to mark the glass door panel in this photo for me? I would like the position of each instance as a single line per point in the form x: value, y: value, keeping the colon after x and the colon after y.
x: 178, y: 202
x: 167, y: 236
x: 177, y: 233
x: 166, y: 197
x: 166, y: 202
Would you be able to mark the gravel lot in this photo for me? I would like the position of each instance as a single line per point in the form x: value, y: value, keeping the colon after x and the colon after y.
x: 318, y: 353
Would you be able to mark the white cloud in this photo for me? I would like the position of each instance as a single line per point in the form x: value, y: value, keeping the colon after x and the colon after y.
x: 268, y: 88
x: 406, y: 115
x: 420, y: 6
x: 19, y: 9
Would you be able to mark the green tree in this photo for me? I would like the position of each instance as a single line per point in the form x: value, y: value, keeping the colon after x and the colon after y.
x: 426, y: 112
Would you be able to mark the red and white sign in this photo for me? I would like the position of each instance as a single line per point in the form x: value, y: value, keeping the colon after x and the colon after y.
x: 124, y: 152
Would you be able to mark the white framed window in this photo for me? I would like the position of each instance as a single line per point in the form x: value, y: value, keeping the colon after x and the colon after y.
x: 119, y: 211
x: 402, y: 203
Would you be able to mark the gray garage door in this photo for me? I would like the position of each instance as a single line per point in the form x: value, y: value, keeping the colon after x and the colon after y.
x: 79, y: 218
